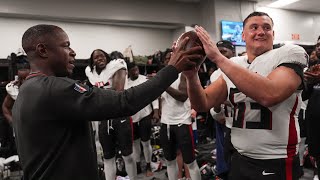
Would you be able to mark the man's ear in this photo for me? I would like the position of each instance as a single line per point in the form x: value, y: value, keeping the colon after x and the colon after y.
x: 243, y: 37
x: 273, y: 34
x: 42, y: 50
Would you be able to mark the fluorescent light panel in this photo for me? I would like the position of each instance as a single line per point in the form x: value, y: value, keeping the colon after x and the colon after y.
x: 281, y: 3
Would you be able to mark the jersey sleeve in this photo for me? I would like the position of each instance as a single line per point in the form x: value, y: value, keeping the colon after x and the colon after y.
x: 118, y: 64
x: 12, y: 90
x: 292, y: 54
x: 215, y: 75
x: 77, y: 101
x: 155, y: 104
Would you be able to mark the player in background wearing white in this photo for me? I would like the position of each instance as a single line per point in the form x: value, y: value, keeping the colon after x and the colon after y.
x: 264, y: 88
x: 142, y: 121
x: 12, y: 89
x: 176, y: 129
x: 112, y: 74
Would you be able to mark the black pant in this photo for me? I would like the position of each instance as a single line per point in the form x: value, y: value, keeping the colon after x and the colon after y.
x: 142, y: 129
x: 245, y: 168
x: 179, y: 137
x: 116, y: 132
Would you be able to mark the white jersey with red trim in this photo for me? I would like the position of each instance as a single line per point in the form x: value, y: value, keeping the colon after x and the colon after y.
x: 104, y: 79
x: 266, y: 133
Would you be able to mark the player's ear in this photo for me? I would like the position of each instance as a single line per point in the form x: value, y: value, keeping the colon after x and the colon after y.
x: 243, y: 37
x: 41, y: 50
x: 273, y: 35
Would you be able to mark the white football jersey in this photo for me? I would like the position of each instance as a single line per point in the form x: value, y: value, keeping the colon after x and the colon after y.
x: 104, y: 79
x: 266, y: 133
x: 146, y: 110
x: 175, y: 112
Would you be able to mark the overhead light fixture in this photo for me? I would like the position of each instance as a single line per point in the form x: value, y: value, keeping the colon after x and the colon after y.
x: 281, y: 3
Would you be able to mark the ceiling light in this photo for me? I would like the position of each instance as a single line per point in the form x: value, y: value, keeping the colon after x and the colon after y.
x: 281, y: 3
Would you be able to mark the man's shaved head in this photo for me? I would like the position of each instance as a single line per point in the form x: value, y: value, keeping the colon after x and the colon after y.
x: 35, y: 35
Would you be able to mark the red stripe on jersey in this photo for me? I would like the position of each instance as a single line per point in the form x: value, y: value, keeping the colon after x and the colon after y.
x: 192, y: 140
x: 289, y: 162
x: 292, y: 141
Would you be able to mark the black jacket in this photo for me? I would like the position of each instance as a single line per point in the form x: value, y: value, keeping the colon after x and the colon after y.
x: 51, y: 122
x: 312, y: 92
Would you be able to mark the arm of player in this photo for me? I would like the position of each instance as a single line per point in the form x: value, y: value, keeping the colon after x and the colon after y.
x: 181, y: 93
x: 267, y: 91
x: 204, y: 99
x: 156, y: 112
x: 7, y: 108
x: 119, y: 79
x: 94, y: 104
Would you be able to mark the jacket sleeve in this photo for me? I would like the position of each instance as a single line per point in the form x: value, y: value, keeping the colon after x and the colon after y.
x: 307, y: 91
x: 78, y: 102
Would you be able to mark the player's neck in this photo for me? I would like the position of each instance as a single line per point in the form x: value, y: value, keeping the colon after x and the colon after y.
x: 40, y: 69
x: 251, y: 57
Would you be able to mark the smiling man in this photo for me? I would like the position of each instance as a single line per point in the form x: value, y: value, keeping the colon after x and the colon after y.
x: 264, y: 88
x: 52, y: 112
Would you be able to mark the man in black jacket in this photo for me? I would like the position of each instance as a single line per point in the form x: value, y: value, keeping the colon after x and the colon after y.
x: 312, y: 92
x: 51, y: 114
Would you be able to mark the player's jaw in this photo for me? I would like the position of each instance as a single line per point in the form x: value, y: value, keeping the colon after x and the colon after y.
x: 70, y: 66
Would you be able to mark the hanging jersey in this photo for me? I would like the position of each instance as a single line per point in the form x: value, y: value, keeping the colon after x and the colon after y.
x: 104, y: 79
x: 173, y: 111
x: 146, y: 110
x: 12, y: 90
x: 266, y: 132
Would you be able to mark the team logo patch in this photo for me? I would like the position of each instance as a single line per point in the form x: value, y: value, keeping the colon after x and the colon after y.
x: 79, y: 88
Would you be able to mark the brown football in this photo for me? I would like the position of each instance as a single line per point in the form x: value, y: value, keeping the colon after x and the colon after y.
x: 192, y: 42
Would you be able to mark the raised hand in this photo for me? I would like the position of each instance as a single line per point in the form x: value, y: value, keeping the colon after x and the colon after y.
x: 210, y: 47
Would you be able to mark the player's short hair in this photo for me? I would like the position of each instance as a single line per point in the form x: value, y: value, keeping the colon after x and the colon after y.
x: 116, y: 55
x: 35, y: 34
x: 256, y: 13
